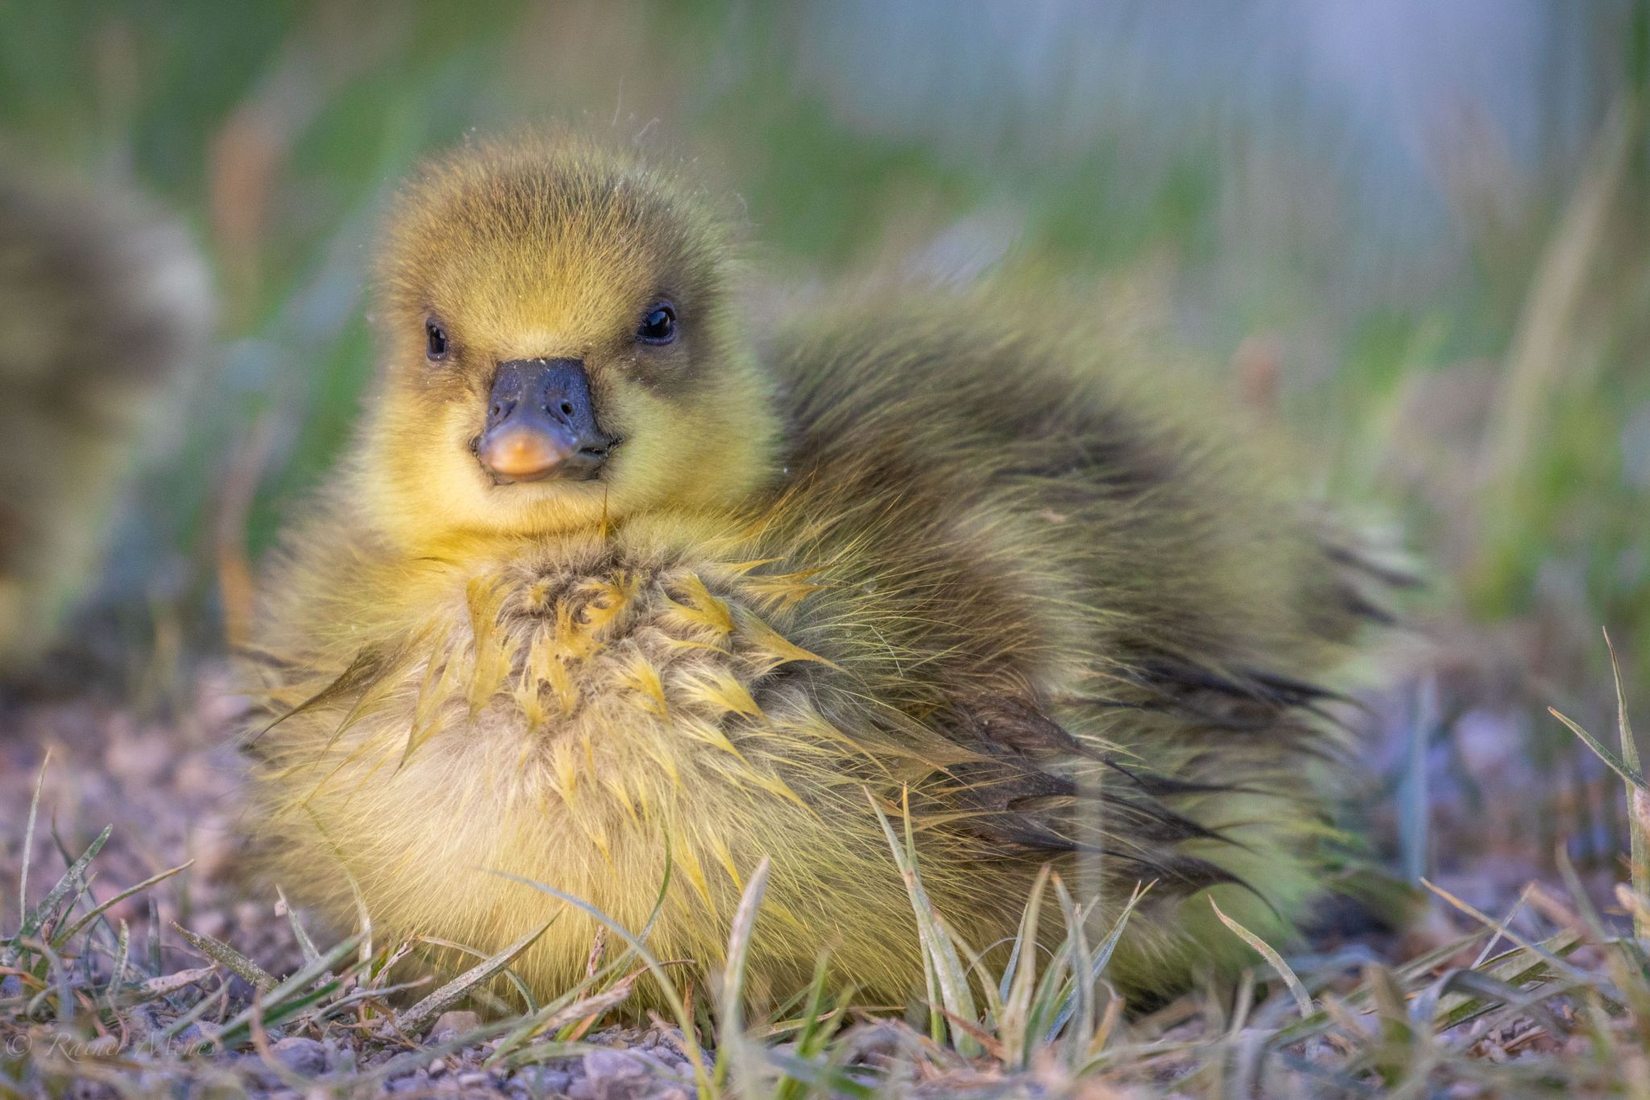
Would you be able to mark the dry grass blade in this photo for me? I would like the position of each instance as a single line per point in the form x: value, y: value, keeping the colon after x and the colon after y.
x: 171, y: 983
x: 1501, y: 928
x: 1541, y: 362
x: 1297, y: 989
x: 305, y: 944
x: 1549, y: 963
x: 28, y: 842
x: 363, y: 917
x: 589, y: 1008
x: 412, y: 1021
x: 219, y: 952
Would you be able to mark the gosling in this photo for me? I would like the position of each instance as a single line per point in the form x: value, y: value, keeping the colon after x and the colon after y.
x: 106, y: 305
x: 612, y: 584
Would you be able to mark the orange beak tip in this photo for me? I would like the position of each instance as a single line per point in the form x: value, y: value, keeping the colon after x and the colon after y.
x: 523, y: 453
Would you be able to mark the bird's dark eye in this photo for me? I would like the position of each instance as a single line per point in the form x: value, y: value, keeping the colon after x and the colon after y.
x: 658, y: 326
x: 435, y: 340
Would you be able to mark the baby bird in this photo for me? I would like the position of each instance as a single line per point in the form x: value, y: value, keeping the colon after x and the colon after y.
x: 105, y: 304
x: 612, y: 584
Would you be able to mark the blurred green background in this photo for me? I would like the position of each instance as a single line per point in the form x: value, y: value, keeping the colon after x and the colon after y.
x: 1417, y: 233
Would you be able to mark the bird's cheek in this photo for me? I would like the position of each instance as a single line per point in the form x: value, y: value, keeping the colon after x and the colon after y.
x: 450, y: 441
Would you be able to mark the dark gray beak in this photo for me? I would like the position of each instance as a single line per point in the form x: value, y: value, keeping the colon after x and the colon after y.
x: 541, y: 423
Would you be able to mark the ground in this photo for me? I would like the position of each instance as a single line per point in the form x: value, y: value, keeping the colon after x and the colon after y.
x: 1438, y: 1004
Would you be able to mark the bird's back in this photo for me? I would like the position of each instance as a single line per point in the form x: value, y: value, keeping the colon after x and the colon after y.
x: 1088, y: 572
x: 1132, y: 511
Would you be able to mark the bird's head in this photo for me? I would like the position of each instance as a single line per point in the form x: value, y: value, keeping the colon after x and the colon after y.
x: 559, y: 351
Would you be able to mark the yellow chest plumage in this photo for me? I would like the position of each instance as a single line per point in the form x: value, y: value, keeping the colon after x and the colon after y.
x: 584, y: 724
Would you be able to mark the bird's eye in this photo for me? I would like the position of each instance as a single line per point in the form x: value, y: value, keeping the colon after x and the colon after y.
x: 658, y: 326
x: 435, y: 340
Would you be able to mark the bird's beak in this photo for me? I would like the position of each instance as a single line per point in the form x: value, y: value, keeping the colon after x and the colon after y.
x: 541, y: 423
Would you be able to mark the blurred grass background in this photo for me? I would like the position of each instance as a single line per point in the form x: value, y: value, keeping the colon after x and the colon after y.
x: 1417, y: 233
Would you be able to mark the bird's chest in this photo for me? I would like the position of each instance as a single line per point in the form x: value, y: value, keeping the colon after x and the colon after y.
x: 564, y: 724
x: 599, y: 692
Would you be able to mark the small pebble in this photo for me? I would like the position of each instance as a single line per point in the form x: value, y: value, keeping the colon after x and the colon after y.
x: 305, y: 1057
x: 614, y: 1075
x: 91, y: 1090
x: 614, y: 1063
x: 544, y: 1080
x: 450, y: 1025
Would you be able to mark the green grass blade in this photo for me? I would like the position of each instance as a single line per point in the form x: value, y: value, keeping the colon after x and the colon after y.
x: 123, y: 949
x: 955, y: 995
x: 826, y: 1079
x: 1632, y: 775
x: 667, y: 989
x: 1079, y: 1006
x: 1090, y: 968
x: 812, y: 1035
x: 292, y: 990
x: 732, y: 1042
x: 84, y: 922
x: 73, y: 880
x: 1015, y: 1025
x: 1638, y: 800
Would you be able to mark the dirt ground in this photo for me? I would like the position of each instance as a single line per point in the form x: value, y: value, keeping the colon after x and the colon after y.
x: 167, y: 785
